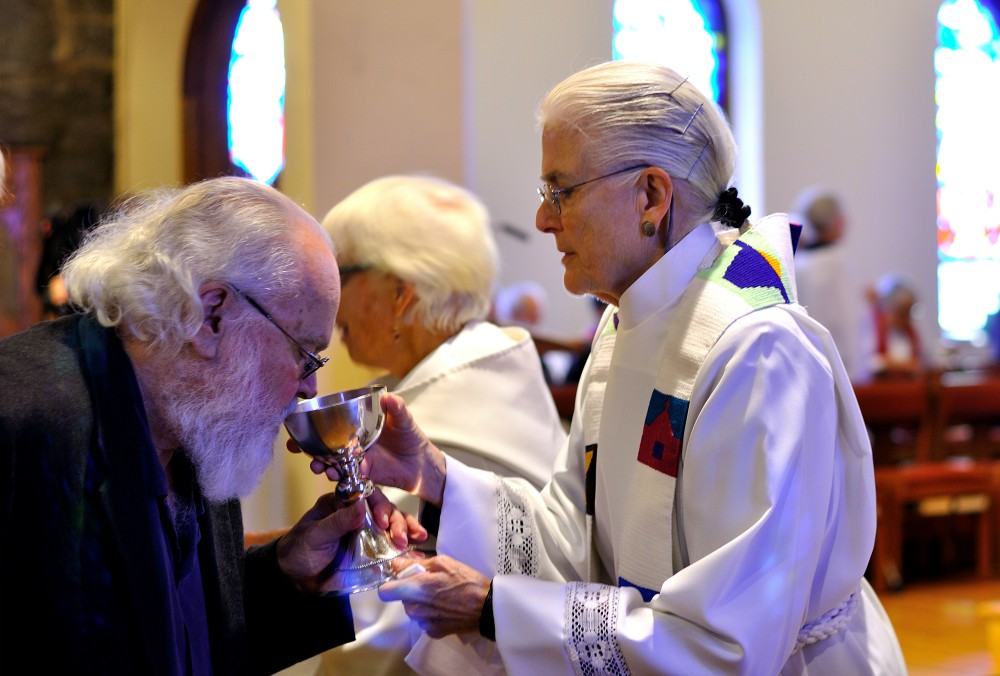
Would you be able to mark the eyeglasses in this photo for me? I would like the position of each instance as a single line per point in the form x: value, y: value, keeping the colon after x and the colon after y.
x: 551, y: 195
x: 314, y: 362
x: 346, y: 271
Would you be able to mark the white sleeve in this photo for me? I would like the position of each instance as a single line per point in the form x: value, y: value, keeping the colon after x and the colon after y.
x: 504, y: 525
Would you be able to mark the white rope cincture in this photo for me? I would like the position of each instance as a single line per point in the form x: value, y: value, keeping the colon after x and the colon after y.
x: 827, y: 624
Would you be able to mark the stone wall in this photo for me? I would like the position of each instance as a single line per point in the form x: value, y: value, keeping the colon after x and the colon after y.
x: 56, y: 94
x: 55, y: 129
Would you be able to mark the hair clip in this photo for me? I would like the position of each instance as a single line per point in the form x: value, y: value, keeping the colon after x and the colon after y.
x: 679, y: 85
x: 700, y: 106
x: 690, y: 121
x: 697, y: 159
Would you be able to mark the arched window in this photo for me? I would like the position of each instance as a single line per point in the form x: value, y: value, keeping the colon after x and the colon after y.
x: 687, y: 35
x: 234, y: 76
x: 255, y: 107
x: 967, y: 66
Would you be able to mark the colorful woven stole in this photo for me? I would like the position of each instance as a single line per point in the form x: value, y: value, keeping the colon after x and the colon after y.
x: 751, y: 273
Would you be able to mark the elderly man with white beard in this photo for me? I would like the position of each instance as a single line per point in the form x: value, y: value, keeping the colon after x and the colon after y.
x: 129, y: 431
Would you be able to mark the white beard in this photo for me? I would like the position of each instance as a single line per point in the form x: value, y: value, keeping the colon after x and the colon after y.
x: 228, y: 439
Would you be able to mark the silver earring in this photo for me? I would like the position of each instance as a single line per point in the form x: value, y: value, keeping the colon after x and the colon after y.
x: 648, y: 228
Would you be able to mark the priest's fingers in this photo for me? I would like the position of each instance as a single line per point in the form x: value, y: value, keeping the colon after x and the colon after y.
x: 401, y: 527
x: 317, y: 466
x: 445, y: 599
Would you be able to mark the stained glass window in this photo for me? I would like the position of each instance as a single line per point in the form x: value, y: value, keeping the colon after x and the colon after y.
x: 686, y: 35
x: 256, y: 96
x: 968, y: 173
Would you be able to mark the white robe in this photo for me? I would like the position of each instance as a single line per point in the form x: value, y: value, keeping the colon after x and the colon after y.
x: 827, y: 290
x: 480, y: 397
x: 774, y: 520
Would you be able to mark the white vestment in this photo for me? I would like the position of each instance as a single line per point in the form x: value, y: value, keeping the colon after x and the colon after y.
x: 773, y: 518
x: 480, y: 397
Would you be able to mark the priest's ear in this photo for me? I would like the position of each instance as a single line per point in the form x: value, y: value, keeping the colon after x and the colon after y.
x: 656, y: 190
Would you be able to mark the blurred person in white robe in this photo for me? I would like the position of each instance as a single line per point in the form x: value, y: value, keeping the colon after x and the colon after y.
x: 823, y: 277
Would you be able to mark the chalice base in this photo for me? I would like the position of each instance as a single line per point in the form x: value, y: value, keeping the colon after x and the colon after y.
x: 365, y: 560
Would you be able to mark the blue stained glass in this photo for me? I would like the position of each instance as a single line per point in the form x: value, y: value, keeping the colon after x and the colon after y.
x: 256, y: 94
x: 968, y: 220
x: 686, y: 35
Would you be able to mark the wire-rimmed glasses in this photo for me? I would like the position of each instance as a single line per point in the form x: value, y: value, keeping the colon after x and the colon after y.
x: 313, y: 362
x: 547, y: 193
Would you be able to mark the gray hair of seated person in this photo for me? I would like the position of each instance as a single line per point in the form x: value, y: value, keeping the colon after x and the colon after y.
x: 632, y: 112
x: 819, y: 207
x: 142, y: 267
x: 426, y: 231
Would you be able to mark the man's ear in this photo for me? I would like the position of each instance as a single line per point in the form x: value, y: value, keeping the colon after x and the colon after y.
x: 657, y: 190
x: 217, y: 306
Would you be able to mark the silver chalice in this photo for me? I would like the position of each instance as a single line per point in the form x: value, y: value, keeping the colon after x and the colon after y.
x: 338, y: 428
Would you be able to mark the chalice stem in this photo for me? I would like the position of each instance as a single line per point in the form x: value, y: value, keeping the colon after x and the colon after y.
x: 338, y: 428
x: 352, y: 485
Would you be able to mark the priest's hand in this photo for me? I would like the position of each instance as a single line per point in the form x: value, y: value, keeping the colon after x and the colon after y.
x: 403, y: 456
x: 445, y: 599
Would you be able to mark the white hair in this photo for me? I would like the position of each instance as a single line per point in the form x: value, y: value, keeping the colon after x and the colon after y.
x: 142, y: 267
x: 631, y: 112
x: 426, y: 231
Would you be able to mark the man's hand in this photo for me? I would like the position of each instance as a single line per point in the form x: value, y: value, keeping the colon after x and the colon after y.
x: 446, y: 599
x: 306, y: 551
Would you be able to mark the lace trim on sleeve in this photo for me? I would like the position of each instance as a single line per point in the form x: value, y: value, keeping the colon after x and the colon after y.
x: 591, y: 621
x: 517, y: 546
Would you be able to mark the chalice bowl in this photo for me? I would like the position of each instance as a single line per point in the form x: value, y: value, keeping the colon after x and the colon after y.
x: 338, y: 428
